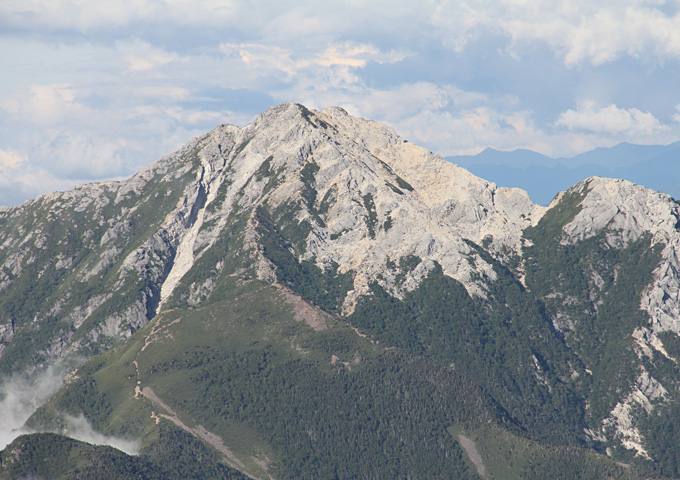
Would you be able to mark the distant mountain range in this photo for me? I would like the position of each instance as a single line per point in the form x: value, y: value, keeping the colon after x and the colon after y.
x: 653, y: 166
x: 311, y: 296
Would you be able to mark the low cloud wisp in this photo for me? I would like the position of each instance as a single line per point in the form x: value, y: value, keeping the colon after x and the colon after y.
x: 21, y: 395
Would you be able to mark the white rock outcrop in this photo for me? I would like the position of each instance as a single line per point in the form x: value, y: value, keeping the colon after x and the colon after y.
x: 419, y: 203
x: 625, y: 212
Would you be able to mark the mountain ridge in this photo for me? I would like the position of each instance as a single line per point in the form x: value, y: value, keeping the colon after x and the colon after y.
x: 319, y: 245
x: 543, y: 177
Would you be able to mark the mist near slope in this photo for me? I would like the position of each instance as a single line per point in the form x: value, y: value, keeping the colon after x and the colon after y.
x: 80, y: 429
x: 21, y: 395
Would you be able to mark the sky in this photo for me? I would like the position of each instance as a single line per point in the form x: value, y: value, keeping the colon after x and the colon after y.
x: 95, y: 90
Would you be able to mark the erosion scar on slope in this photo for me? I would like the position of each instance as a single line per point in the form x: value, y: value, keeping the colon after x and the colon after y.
x: 199, y: 431
x: 471, y: 450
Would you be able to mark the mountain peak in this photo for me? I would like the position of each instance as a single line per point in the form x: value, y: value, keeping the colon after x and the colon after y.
x: 625, y: 209
x: 367, y: 198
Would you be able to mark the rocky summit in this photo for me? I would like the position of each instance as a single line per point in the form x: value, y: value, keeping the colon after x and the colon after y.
x: 313, y: 296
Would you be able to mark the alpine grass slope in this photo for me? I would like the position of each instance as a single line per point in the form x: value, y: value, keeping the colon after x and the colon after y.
x: 312, y: 296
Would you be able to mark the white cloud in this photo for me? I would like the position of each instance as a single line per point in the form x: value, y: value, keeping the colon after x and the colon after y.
x: 676, y: 116
x: 259, y: 56
x: 20, y: 397
x: 579, y: 32
x: 387, y: 105
x: 80, y: 155
x: 170, y: 92
x: 43, y: 104
x: 144, y: 63
x: 86, y: 16
x: 28, y: 181
x: 20, y: 179
x: 80, y: 429
x: 355, y: 55
x: 194, y: 117
x: 10, y: 160
x: 463, y: 131
x: 611, y: 120
x: 468, y: 131
x: 604, y: 35
x: 266, y: 57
